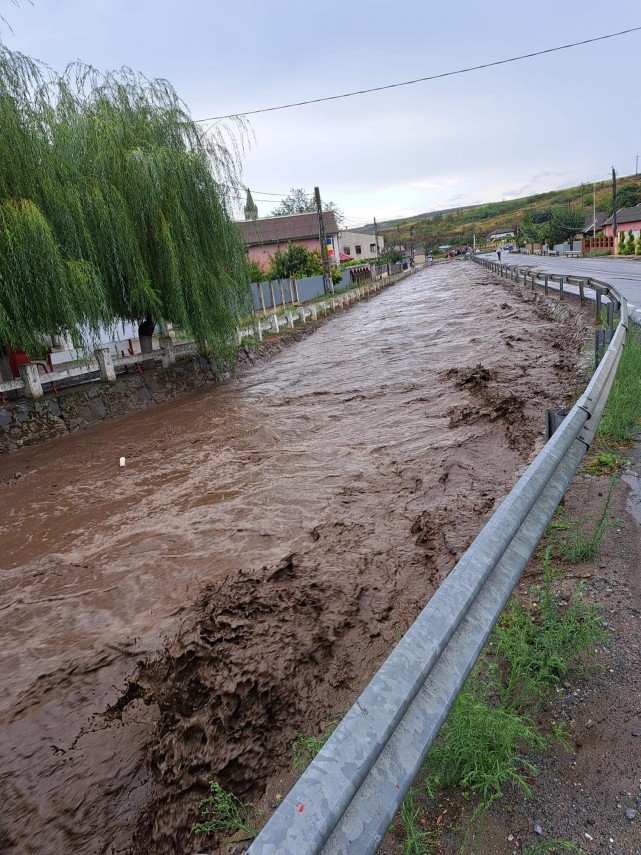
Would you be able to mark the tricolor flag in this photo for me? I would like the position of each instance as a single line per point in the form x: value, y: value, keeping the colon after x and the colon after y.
x: 330, y: 246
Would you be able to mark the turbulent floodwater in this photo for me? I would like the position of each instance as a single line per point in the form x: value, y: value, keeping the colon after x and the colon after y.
x: 180, y: 619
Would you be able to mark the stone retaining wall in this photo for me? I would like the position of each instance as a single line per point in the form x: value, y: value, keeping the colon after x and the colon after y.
x: 28, y: 421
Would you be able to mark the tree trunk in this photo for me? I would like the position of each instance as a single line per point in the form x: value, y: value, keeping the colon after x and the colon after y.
x: 145, y: 333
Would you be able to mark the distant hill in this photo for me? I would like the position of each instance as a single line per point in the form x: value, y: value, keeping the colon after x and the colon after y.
x: 456, y: 225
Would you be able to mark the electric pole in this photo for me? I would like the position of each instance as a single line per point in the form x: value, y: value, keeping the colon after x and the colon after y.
x: 411, y: 244
x: 614, y: 207
x: 376, y: 238
x: 474, y: 236
x: 322, y: 237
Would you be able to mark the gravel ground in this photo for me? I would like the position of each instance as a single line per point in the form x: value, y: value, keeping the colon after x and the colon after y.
x: 589, y: 795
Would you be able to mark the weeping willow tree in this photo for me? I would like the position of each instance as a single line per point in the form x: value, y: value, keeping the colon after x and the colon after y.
x: 114, y: 205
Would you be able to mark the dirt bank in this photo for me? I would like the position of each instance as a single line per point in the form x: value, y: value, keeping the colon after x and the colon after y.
x: 248, y: 566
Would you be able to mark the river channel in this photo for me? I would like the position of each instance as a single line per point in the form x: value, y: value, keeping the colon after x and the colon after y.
x: 180, y: 619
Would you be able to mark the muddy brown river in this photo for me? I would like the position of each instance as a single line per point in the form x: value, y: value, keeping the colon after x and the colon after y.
x: 180, y: 619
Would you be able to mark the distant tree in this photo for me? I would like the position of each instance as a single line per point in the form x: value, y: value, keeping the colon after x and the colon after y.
x: 565, y: 223
x: 390, y: 256
x: 637, y: 245
x: 630, y: 243
x: 621, y: 243
x: 543, y: 216
x: 296, y: 260
x: 628, y: 196
x: 300, y: 202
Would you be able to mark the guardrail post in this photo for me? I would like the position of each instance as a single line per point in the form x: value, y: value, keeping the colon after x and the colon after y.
x: 314, y: 312
x: 553, y: 419
x: 289, y: 319
x: 273, y: 322
x: 168, y: 355
x: 30, y: 376
x: 301, y: 314
x: 561, y: 281
x: 105, y: 362
x: 525, y: 278
x: 582, y: 285
x: 609, y: 309
x: 545, y: 283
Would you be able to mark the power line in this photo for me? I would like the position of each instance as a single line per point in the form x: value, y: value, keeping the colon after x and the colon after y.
x: 423, y: 79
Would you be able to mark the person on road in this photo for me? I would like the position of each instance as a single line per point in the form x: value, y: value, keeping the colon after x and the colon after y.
x: 498, y: 255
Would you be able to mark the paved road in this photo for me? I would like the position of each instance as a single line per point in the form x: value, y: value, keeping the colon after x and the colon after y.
x: 623, y: 273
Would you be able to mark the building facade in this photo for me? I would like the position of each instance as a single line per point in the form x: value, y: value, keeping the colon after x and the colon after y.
x: 358, y: 246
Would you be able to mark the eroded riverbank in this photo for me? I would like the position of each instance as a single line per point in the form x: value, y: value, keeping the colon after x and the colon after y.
x: 249, y: 565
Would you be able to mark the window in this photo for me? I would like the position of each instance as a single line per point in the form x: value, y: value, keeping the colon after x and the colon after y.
x: 357, y: 249
x: 346, y: 250
x: 372, y: 247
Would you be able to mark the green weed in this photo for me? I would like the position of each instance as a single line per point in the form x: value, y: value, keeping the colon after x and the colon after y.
x: 482, y: 747
x: 305, y: 748
x: 223, y: 811
x: 581, y: 543
x: 535, y: 647
x: 417, y: 841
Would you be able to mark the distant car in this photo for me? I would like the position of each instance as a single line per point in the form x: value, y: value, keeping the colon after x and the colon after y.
x: 509, y: 247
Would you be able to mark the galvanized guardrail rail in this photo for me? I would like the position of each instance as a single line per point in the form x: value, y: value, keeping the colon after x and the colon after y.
x: 349, y: 794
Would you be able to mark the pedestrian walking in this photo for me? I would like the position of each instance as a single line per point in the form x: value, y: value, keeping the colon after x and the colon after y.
x: 498, y: 255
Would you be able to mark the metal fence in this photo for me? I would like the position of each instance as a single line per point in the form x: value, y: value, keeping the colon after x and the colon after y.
x: 347, y: 797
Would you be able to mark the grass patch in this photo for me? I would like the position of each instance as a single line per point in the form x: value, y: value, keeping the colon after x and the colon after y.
x: 223, y: 811
x: 602, y: 463
x: 621, y: 419
x: 553, y: 846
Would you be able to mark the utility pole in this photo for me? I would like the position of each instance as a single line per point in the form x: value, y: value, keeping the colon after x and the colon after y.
x: 411, y: 244
x: 474, y: 236
x: 376, y: 239
x: 636, y: 171
x: 322, y: 237
x: 614, y: 208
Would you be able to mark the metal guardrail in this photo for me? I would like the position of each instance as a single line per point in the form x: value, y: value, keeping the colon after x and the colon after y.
x: 347, y: 797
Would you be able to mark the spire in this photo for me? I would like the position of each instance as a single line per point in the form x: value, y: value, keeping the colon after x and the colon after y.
x: 251, y: 210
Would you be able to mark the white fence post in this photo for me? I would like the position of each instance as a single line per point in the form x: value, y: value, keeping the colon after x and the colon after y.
x: 273, y: 321
x: 301, y: 314
x: 168, y: 352
x: 258, y: 330
x: 30, y: 376
x: 107, y: 370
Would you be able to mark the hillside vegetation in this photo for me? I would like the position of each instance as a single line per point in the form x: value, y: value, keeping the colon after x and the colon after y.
x: 456, y: 225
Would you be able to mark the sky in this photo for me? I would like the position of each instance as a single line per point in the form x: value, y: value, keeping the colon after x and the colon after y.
x: 516, y: 129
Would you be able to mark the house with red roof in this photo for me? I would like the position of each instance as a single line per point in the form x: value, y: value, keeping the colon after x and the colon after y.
x: 264, y: 236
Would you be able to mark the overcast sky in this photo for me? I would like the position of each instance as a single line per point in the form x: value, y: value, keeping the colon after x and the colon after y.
x: 525, y: 127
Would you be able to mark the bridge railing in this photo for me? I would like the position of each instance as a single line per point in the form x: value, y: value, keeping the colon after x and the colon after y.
x: 347, y: 797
